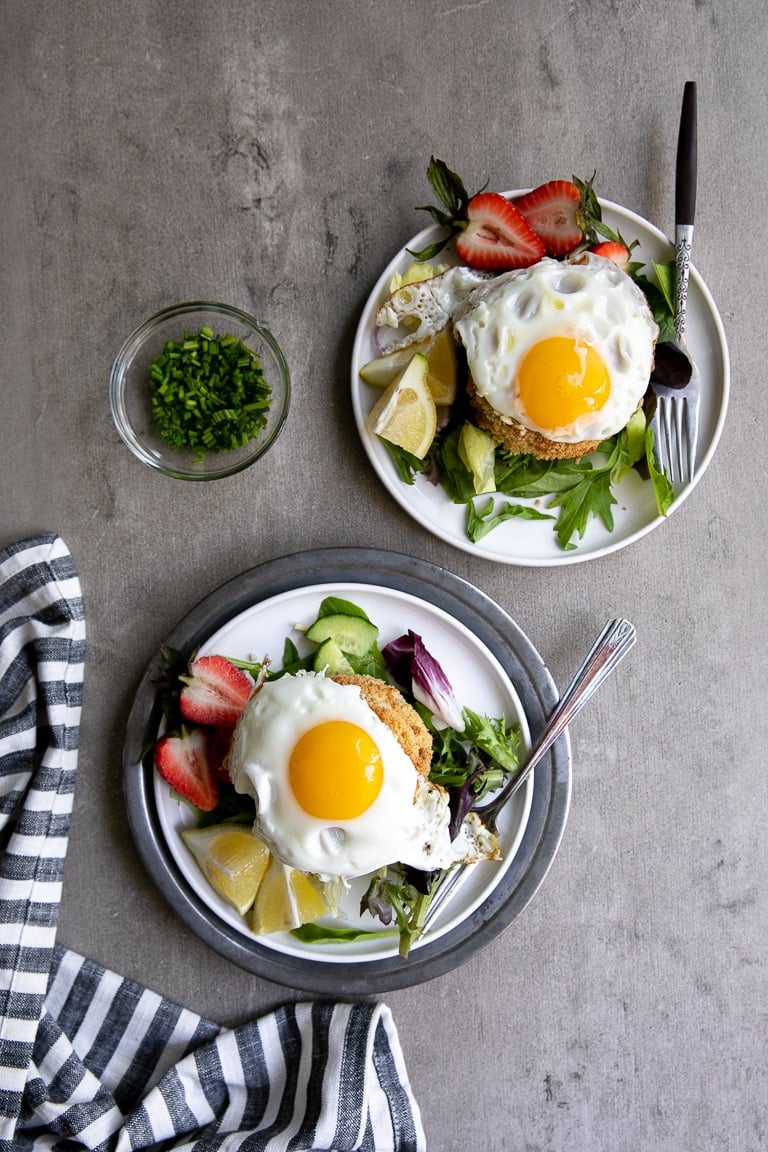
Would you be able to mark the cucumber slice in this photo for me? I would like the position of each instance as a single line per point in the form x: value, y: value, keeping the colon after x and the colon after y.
x: 351, y: 633
x: 329, y: 657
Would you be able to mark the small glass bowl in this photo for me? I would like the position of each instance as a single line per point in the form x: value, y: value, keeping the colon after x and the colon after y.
x: 130, y: 390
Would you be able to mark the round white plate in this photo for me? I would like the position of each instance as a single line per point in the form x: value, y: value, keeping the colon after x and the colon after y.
x: 479, y: 682
x: 533, y: 543
x: 494, y: 668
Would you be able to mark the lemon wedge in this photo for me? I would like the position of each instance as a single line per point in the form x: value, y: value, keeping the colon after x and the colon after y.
x: 286, y: 899
x: 232, y: 859
x: 440, y: 351
x: 406, y: 415
x: 477, y: 451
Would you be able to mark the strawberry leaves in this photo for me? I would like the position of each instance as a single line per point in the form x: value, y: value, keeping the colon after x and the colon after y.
x: 590, y: 219
x: 450, y: 191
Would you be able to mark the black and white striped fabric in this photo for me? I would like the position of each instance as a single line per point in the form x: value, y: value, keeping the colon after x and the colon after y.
x: 89, y: 1060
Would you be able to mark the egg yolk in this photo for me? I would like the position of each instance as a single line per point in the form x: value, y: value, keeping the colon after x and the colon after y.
x: 561, y: 379
x: 335, y: 771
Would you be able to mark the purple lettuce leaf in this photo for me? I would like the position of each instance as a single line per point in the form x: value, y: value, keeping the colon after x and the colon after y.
x: 413, y: 667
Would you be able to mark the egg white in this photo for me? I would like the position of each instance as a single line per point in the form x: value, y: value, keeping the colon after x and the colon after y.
x: 591, y: 300
x: 407, y: 822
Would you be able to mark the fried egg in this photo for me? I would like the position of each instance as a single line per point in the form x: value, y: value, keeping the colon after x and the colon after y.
x: 565, y: 349
x: 335, y: 793
x: 418, y: 311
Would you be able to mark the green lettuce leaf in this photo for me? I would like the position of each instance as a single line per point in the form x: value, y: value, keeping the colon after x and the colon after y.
x: 494, y: 737
x: 662, y: 488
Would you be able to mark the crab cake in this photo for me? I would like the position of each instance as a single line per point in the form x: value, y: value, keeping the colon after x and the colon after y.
x: 516, y: 438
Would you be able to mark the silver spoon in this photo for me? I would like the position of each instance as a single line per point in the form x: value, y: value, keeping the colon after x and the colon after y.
x: 610, y: 648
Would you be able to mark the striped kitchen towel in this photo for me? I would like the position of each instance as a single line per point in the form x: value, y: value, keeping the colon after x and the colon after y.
x: 89, y: 1060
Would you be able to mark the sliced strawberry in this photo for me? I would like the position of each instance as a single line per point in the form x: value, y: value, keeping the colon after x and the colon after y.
x: 497, y: 237
x: 552, y: 212
x: 612, y: 250
x: 184, y: 762
x: 214, y: 692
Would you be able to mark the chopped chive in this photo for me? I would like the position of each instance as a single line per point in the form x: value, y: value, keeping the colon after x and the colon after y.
x: 208, y: 393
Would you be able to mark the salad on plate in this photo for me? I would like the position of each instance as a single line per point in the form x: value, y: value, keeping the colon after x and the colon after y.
x: 513, y: 359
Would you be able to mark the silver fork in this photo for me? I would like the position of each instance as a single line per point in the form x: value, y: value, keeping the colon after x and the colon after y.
x: 611, y: 646
x: 676, y: 420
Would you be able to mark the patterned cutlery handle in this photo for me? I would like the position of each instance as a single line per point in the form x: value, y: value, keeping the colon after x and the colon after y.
x: 685, y: 202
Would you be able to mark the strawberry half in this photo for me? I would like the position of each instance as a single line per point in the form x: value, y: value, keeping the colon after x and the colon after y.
x: 552, y: 212
x: 214, y: 692
x: 612, y: 250
x: 183, y: 761
x: 497, y: 237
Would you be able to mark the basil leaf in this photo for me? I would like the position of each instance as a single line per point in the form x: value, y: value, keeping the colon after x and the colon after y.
x: 481, y: 520
x: 322, y: 934
x: 665, y: 275
x: 408, y: 465
x: 371, y: 664
x: 663, y: 310
x: 335, y: 606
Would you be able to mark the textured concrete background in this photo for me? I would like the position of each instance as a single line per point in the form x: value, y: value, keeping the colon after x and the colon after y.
x: 270, y: 153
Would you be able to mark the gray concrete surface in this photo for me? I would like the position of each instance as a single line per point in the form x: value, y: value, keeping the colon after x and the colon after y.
x: 270, y: 154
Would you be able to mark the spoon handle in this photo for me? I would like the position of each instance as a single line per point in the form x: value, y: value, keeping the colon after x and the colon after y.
x: 685, y: 180
x: 685, y: 202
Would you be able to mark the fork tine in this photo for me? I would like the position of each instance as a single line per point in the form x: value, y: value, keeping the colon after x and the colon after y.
x: 665, y: 437
x: 662, y: 435
x: 692, y: 435
x: 676, y: 425
x: 680, y: 457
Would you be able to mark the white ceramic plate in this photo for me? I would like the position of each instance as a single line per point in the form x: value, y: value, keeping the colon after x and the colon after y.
x: 479, y: 682
x: 495, y: 667
x: 533, y: 543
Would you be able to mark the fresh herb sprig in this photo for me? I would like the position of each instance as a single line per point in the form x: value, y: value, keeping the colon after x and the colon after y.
x: 208, y: 393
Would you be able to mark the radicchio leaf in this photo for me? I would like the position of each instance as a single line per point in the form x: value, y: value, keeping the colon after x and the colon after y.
x: 397, y: 657
x: 416, y: 669
x: 462, y: 800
